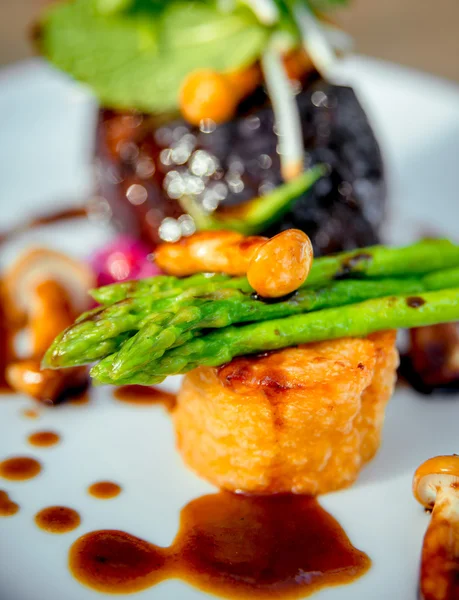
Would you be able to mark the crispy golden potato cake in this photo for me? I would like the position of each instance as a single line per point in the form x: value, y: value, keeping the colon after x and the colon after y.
x: 300, y: 420
x: 378, y: 394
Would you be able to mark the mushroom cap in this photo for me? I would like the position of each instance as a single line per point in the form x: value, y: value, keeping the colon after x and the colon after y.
x: 437, y: 473
x: 38, y: 265
x: 281, y: 265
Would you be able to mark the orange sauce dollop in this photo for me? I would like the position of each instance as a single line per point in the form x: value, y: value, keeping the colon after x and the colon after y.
x: 30, y: 413
x: 8, y: 508
x: 44, y: 439
x: 104, y: 490
x: 57, y: 519
x: 19, y: 468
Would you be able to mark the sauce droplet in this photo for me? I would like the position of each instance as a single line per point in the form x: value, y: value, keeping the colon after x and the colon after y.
x: 8, y: 508
x: 19, y: 468
x: 44, y: 439
x: 231, y: 546
x: 143, y: 395
x: 30, y: 413
x: 57, y: 519
x: 104, y: 490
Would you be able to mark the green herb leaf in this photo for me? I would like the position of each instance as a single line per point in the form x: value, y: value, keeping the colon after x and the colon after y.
x: 137, y: 56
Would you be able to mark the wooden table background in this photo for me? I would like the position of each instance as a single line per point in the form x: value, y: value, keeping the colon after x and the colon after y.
x: 418, y: 33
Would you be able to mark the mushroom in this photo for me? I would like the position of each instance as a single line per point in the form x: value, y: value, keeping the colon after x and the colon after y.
x: 47, y: 386
x: 436, y: 486
x: 45, y: 290
x: 281, y: 265
x: 39, y: 265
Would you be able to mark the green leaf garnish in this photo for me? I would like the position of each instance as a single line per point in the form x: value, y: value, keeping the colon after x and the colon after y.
x: 136, y: 54
x: 258, y: 214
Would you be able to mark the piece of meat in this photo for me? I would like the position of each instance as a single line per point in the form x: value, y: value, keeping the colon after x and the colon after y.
x: 432, y: 361
x: 145, y: 165
x: 300, y: 420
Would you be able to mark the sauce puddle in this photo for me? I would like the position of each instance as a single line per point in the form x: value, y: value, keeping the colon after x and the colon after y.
x: 57, y: 519
x: 104, y: 490
x: 228, y: 545
x: 144, y: 395
x: 8, y: 508
x: 19, y: 468
x: 44, y: 439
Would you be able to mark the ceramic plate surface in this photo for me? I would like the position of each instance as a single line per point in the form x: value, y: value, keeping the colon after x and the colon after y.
x: 46, y: 125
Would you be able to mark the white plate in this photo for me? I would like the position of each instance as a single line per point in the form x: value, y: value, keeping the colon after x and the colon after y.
x: 46, y: 124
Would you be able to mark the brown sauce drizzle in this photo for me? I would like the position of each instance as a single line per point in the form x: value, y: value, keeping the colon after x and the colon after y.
x: 44, y: 439
x: 104, y: 490
x: 144, y: 395
x: 54, y: 217
x: 57, y: 519
x: 6, y: 345
x: 19, y: 468
x: 228, y: 545
x: 8, y: 508
x: 30, y: 413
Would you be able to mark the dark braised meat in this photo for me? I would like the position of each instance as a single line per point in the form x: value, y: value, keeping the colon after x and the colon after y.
x: 432, y: 361
x: 145, y: 167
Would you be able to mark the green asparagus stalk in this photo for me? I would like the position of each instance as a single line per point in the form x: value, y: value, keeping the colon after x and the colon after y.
x: 115, y: 292
x: 224, y: 312
x: 232, y: 306
x: 375, y: 261
x: 102, y: 332
x: 257, y: 214
x: 361, y: 319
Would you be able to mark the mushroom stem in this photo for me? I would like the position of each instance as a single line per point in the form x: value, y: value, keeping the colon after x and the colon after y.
x: 439, y: 578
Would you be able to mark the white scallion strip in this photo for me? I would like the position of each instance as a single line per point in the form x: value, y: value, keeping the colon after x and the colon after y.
x: 315, y: 40
x: 266, y: 10
x: 287, y: 117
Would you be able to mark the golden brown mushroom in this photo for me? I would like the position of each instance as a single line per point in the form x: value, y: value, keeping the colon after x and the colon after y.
x: 281, y: 265
x: 209, y: 251
x: 45, y: 291
x: 36, y: 266
x: 436, y: 486
x: 274, y: 267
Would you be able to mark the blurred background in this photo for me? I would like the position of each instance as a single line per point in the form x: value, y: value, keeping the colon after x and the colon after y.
x: 418, y: 33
